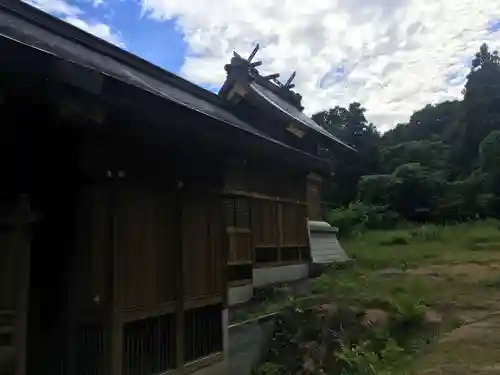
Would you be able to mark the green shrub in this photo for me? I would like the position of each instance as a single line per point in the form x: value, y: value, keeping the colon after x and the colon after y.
x: 395, y: 240
x: 427, y: 233
x: 269, y: 368
x: 358, y: 216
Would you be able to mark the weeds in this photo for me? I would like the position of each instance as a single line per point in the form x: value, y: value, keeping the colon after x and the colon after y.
x: 405, y: 274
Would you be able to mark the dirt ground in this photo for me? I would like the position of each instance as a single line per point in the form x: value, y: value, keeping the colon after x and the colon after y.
x: 467, y: 271
x: 474, y: 347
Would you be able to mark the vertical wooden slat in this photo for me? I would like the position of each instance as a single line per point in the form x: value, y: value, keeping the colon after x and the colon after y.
x: 179, y: 285
x: 116, y: 326
x: 280, y: 229
x: 20, y: 336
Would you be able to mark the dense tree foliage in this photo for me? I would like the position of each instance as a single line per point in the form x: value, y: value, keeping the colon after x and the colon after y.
x: 443, y: 165
x: 350, y: 125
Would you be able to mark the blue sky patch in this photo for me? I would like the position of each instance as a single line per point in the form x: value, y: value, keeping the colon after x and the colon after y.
x: 494, y: 26
x: 335, y: 75
x: 158, y: 42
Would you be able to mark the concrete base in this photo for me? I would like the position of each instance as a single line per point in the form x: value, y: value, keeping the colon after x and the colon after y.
x: 239, y: 294
x: 249, y: 344
x: 325, y: 247
x: 218, y: 368
x: 272, y: 275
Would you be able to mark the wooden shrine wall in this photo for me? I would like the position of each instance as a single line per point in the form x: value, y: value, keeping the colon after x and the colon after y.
x: 146, y: 247
x: 202, y: 245
x: 266, y: 213
x: 161, y: 245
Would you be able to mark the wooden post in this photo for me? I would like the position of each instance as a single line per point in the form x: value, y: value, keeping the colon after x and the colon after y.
x: 20, y: 337
x: 115, y: 327
x: 15, y: 255
x: 280, y: 230
x: 179, y: 287
x: 314, y: 196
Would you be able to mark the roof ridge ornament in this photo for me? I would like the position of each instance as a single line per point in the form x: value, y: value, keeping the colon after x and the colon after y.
x: 245, y: 70
x: 254, y: 52
x: 288, y: 84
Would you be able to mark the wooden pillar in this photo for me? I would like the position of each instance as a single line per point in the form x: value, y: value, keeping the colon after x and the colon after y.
x: 115, y: 325
x: 279, y: 217
x: 179, y: 279
x: 313, y: 193
x: 15, y: 252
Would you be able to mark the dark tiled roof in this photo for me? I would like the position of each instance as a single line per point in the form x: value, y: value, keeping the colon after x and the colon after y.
x: 26, y: 24
x: 292, y: 111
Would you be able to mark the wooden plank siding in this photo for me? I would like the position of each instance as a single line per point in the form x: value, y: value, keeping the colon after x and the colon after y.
x: 150, y: 279
x: 275, y: 201
x: 89, y: 294
x: 313, y: 195
x: 146, y: 247
x: 202, y: 245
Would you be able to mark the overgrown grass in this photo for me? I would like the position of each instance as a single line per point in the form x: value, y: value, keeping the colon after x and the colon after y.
x: 426, y: 244
x: 453, y: 270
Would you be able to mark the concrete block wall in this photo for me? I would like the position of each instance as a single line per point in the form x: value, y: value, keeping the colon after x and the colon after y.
x: 249, y: 343
x: 272, y: 275
x: 267, y: 276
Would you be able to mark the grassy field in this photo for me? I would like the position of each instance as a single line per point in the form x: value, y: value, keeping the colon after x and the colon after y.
x: 453, y: 272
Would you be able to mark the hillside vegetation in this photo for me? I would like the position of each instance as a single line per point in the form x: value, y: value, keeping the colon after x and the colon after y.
x: 442, y: 166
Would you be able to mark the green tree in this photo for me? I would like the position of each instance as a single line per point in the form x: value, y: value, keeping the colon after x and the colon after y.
x: 350, y: 125
x: 481, y: 103
x: 430, y: 154
x: 489, y: 153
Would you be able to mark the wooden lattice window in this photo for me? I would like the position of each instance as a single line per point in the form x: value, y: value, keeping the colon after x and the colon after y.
x: 238, y: 272
x: 203, y: 332
x: 266, y: 255
x: 149, y: 345
x: 90, y: 347
x: 279, y: 231
x: 290, y: 254
x: 294, y: 223
x: 239, y: 240
x: 237, y: 212
x: 265, y: 232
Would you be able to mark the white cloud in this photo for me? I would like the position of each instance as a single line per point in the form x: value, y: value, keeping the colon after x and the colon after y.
x: 75, y: 16
x: 57, y: 7
x: 396, y: 55
x: 100, y: 30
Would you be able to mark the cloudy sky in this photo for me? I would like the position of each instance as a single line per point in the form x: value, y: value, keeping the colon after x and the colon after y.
x: 393, y: 56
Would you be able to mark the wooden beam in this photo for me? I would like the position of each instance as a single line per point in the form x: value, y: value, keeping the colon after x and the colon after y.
x: 148, y: 311
x: 247, y: 194
x: 194, y: 303
x: 278, y: 264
